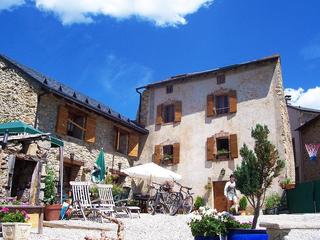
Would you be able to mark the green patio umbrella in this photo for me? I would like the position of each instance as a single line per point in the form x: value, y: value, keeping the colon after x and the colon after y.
x: 99, y: 173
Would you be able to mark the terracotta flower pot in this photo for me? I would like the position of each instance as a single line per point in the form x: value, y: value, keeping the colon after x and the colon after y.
x: 52, y: 212
x: 290, y: 186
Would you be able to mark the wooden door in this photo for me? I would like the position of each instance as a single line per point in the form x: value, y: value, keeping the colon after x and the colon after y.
x: 219, y: 200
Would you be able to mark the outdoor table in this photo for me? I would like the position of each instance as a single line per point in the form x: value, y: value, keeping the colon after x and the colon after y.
x: 142, y: 199
x: 35, y: 213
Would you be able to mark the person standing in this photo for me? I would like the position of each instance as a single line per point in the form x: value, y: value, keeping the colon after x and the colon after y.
x: 230, y: 193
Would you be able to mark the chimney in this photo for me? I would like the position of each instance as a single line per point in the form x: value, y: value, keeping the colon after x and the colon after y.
x: 288, y: 99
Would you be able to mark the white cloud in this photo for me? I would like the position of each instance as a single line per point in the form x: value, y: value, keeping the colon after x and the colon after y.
x: 309, y: 98
x: 160, y: 12
x: 8, y: 4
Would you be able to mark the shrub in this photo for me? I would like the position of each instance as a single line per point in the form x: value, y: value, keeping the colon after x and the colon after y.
x: 243, y: 203
x: 50, y: 188
x: 17, y: 216
x: 199, y: 202
x: 258, y: 169
x: 273, y: 201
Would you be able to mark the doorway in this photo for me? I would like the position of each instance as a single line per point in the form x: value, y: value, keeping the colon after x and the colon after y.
x: 219, y: 200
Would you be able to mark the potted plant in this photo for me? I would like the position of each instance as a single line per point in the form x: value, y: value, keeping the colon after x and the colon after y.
x: 14, y: 224
x: 243, y: 203
x: 287, y: 184
x: 272, y: 204
x: 258, y: 169
x: 199, y: 202
x: 52, y: 209
x: 207, y: 224
x: 223, y: 154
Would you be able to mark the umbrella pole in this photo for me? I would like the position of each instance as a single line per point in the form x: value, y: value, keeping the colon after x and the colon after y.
x: 61, y: 172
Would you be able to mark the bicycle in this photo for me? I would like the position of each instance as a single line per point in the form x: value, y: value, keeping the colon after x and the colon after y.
x: 160, y: 202
x: 183, y: 200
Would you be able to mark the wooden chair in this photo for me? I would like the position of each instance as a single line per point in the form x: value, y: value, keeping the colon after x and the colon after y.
x: 107, y: 200
x: 82, y: 203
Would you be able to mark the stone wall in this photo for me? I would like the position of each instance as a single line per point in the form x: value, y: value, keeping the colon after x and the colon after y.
x: 18, y: 97
x: 83, y: 151
x: 310, y: 134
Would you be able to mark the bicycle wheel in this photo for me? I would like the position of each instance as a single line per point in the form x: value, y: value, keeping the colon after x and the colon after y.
x: 175, y: 203
x: 151, y: 208
x: 187, y: 205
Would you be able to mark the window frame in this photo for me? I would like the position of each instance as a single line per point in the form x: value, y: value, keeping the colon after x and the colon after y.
x: 221, y: 79
x: 225, y: 101
x: 118, y: 132
x: 78, y: 113
x: 226, y: 155
x: 169, y: 89
x: 167, y: 161
x: 165, y: 114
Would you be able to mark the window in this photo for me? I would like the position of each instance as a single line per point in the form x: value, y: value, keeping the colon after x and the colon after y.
x: 121, y: 141
x: 222, y: 104
x: 167, y: 154
x: 168, y: 114
x: 76, y: 124
x: 169, y: 89
x: 223, y: 148
x: 221, y: 79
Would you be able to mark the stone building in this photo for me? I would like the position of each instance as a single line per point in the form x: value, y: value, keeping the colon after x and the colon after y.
x: 85, y: 125
x: 298, y: 116
x: 197, y: 122
x: 309, y: 133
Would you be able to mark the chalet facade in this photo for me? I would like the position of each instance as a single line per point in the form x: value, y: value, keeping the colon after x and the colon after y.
x: 85, y: 125
x: 198, y: 122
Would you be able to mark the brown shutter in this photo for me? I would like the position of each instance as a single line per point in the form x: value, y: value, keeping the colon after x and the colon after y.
x: 233, y: 101
x: 210, y: 105
x: 176, y: 153
x: 90, y: 135
x: 233, y: 146
x: 211, y: 149
x: 62, y: 120
x: 177, y: 111
x: 133, y: 145
x: 159, y: 119
x: 116, y: 138
x: 157, y: 154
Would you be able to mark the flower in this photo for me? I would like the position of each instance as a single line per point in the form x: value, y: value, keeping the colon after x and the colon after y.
x: 5, y: 210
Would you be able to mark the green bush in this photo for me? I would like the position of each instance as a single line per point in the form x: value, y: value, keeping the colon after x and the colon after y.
x: 199, y: 202
x: 273, y: 201
x: 50, y: 188
x: 243, y: 203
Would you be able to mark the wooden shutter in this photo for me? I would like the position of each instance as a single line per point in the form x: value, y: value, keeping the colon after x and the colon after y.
x: 176, y: 153
x: 233, y: 101
x: 62, y: 120
x: 210, y: 105
x: 133, y: 145
x: 233, y: 146
x: 157, y: 154
x: 159, y: 119
x: 177, y: 111
x: 90, y: 135
x: 116, y: 138
x: 211, y: 149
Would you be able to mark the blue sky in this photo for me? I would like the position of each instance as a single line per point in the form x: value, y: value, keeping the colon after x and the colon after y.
x: 106, y: 51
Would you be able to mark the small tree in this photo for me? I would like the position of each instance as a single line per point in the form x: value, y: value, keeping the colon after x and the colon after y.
x: 258, y: 169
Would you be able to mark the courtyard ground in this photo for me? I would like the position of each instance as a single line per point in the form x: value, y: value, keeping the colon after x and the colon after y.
x: 166, y: 227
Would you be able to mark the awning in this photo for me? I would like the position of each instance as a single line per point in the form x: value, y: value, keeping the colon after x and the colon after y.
x: 19, y: 127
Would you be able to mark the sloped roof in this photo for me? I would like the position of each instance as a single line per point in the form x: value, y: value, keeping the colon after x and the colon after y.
x: 304, y: 109
x: 308, y: 123
x: 188, y: 76
x: 66, y: 92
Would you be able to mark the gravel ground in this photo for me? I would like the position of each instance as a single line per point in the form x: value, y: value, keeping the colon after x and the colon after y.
x: 164, y: 227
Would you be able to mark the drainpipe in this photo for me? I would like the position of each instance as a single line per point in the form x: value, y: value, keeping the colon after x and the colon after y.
x: 37, y: 110
x: 140, y: 98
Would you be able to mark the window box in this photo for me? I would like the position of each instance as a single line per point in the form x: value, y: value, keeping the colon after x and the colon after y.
x: 223, y: 156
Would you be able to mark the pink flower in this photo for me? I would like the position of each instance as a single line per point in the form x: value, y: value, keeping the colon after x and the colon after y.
x: 5, y: 210
x: 24, y: 212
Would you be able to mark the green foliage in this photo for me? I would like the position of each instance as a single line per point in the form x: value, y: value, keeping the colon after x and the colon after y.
x: 117, y: 189
x: 258, y: 168
x: 243, y: 203
x: 285, y: 182
x: 199, y: 202
x: 222, y: 151
x: 50, y: 188
x: 273, y: 201
x: 132, y: 202
x: 94, y: 192
x: 17, y: 216
x: 207, y: 222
